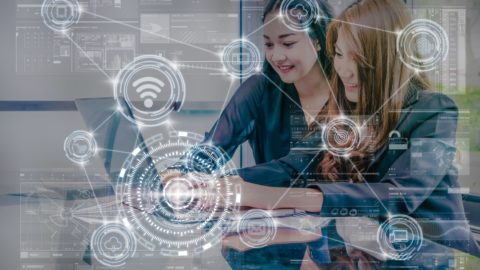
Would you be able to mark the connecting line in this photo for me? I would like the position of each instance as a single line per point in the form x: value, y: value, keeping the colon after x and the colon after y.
x: 90, y: 220
x: 388, y: 100
x: 330, y: 88
x: 360, y: 25
x: 170, y: 127
x: 149, y: 32
x: 291, y: 99
x: 197, y: 67
x: 343, y: 242
x: 295, y: 181
x: 104, y: 121
x: 93, y: 192
x: 113, y: 150
x: 258, y: 29
x: 89, y: 58
x: 369, y: 187
x: 87, y: 211
x: 223, y: 107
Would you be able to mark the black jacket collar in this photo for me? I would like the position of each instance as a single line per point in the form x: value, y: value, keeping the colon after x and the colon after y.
x: 411, y: 97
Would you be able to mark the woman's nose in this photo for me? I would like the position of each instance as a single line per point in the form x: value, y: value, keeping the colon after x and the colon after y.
x: 278, y: 56
x: 344, y: 71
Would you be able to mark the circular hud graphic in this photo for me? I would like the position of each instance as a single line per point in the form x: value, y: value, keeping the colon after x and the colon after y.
x: 422, y: 45
x: 80, y: 146
x: 299, y: 15
x: 256, y: 228
x: 241, y: 58
x: 340, y: 136
x: 186, y: 214
x: 60, y: 15
x: 400, y: 237
x: 152, y: 87
x: 112, y: 244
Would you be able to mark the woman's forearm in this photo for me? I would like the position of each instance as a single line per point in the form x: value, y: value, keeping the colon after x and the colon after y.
x: 264, y: 197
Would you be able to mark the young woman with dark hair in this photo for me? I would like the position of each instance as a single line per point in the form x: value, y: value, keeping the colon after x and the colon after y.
x: 294, y: 81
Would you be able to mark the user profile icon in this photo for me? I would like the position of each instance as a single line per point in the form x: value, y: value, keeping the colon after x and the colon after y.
x: 80, y: 146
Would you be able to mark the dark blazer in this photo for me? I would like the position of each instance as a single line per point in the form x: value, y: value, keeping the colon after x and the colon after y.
x: 420, y: 181
x: 398, y: 181
x: 265, y: 112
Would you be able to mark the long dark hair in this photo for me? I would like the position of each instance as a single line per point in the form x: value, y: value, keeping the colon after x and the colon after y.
x: 317, y: 31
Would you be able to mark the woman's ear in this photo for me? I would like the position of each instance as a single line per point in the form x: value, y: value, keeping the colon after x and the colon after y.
x: 317, y: 45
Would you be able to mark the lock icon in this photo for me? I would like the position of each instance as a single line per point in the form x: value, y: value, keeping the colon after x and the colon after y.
x: 396, y: 142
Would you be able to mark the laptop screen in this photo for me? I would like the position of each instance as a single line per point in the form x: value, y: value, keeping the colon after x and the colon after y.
x: 116, y: 136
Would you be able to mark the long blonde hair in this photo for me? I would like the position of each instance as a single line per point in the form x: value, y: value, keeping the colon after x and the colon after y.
x: 370, y: 26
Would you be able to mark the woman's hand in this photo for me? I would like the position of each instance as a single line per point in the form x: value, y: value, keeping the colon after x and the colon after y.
x: 169, y: 174
x: 270, y: 198
x: 252, y: 195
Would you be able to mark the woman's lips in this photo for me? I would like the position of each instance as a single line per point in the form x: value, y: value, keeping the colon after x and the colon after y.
x: 285, y: 68
x: 351, y: 87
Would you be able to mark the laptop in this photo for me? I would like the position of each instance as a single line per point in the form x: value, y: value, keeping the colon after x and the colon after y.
x: 116, y: 135
x: 114, y: 131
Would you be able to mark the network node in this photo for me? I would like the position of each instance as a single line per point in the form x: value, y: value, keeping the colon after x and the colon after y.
x: 152, y: 87
x: 60, y: 15
x: 300, y: 16
x: 80, y: 146
x: 400, y: 237
x: 112, y: 244
x: 256, y: 228
x: 422, y: 45
x: 341, y: 136
x: 241, y: 58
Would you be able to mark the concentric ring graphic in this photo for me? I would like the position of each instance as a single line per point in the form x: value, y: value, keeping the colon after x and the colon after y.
x: 422, y: 45
x: 241, y: 58
x: 341, y: 136
x: 112, y: 244
x: 80, y: 146
x: 60, y: 15
x: 400, y: 237
x: 206, y: 158
x: 300, y: 16
x: 256, y: 228
x: 185, y: 215
x: 153, y: 87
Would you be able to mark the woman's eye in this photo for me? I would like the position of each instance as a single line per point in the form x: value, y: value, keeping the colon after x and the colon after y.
x: 289, y: 44
x: 338, y: 54
x: 268, y: 45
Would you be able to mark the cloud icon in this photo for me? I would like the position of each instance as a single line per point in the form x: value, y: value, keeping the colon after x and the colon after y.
x: 113, y: 244
x: 299, y: 12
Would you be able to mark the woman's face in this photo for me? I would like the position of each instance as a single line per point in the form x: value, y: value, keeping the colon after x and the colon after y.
x: 347, y: 68
x: 292, y: 54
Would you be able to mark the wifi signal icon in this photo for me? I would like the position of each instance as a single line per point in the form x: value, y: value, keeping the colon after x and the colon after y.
x: 148, y: 89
